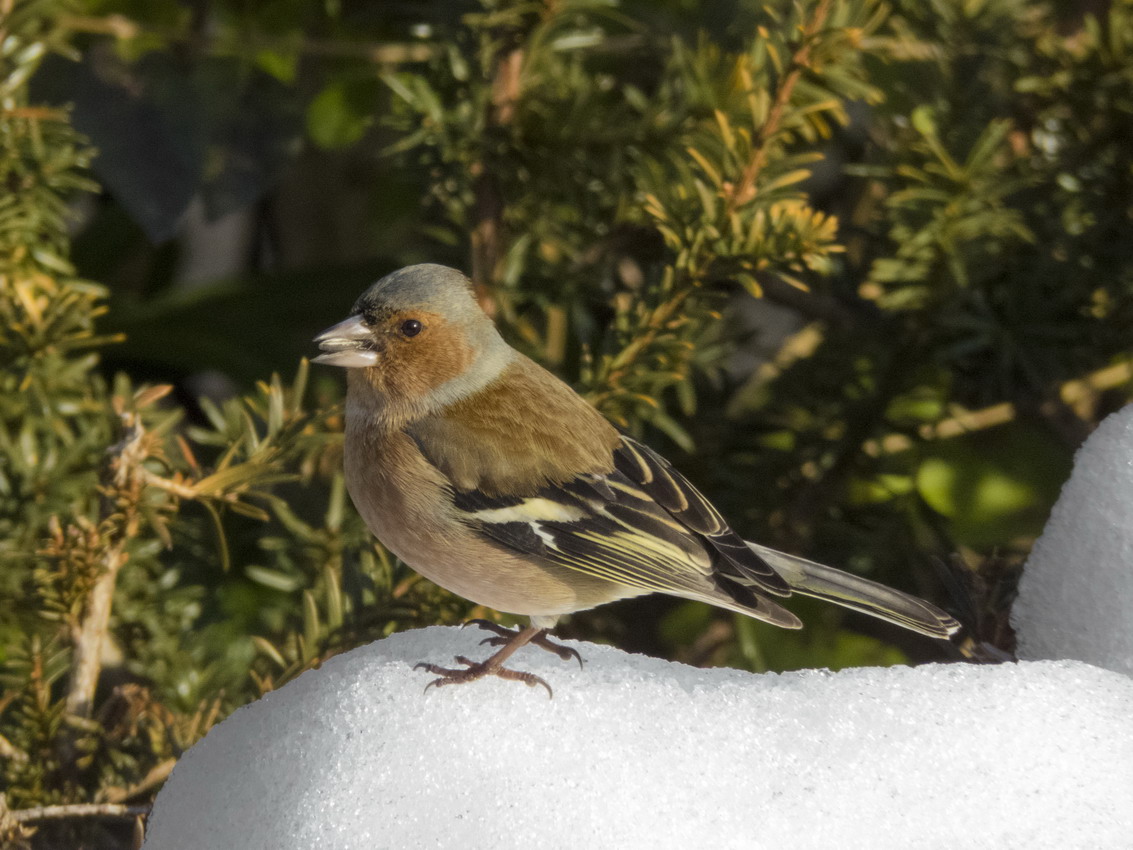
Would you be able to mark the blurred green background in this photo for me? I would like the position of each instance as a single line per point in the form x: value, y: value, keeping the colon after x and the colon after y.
x: 862, y: 270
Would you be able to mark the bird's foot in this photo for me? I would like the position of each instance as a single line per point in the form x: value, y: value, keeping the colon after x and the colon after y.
x: 508, y: 642
x: 474, y: 670
x: 504, y: 635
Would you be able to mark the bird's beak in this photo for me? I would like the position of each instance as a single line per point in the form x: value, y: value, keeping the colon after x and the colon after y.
x: 345, y: 345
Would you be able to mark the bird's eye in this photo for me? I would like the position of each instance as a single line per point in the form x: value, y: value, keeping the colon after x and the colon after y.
x: 411, y: 327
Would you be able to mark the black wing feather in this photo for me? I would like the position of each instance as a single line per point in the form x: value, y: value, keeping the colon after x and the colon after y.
x: 671, y: 490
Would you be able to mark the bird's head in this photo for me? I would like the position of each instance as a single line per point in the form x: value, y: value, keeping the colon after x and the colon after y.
x: 419, y: 338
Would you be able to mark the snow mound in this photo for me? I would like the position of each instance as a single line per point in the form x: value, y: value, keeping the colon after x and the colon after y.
x: 1076, y: 594
x: 637, y: 752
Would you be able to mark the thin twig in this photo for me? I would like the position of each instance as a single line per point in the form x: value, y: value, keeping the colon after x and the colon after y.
x: 487, y: 236
x: 969, y: 421
x: 124, y: 461
x: 737, y: 194
x: 77, y: 810
x: 86, y: 659
x: 35, y: 113
x: 176, y: 488
x: 158, y: 774
x: 742, y: 191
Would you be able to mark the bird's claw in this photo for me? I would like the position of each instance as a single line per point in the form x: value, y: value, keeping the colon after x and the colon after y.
x: 476, y: 670
x: 566, y: 653
x: 508, y: 641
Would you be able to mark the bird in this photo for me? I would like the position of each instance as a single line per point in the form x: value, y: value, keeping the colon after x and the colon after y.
x: 493, y: 478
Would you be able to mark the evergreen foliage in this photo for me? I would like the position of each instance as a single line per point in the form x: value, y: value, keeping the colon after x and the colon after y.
x: 935, y: 197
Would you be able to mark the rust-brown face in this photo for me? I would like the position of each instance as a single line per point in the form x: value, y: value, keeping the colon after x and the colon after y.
x: 406, y: 353
x: 418, y: 351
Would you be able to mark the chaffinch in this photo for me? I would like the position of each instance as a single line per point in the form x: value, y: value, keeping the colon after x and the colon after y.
x: 493, y: 478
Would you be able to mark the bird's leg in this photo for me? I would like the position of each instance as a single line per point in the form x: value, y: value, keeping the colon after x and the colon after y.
x: 491, y: 666
x: 504, y: 634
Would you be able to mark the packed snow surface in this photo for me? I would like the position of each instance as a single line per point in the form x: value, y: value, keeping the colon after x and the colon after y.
x: 635, y: 752
x: 1076, y: 594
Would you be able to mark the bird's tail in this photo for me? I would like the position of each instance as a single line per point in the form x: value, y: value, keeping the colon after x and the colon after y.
x: 810, y: 578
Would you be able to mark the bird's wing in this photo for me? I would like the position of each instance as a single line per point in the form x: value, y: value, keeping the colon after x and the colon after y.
x: 672, y: 491
x: 642, y: 525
